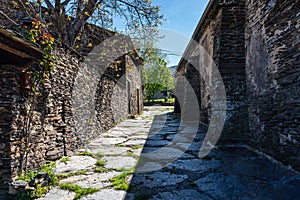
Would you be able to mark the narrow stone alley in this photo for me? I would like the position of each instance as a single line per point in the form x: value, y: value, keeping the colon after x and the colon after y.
x: 228, y: 172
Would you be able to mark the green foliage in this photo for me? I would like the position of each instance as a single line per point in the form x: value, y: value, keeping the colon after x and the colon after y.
x: 80, y: 192
x: 137, y: 147
x: 39, y: 190
x: 100, y: 163
x: 120, y: 182
x: 101, y: 170
x: 99, y: 155
x: 70, y: 174
x: 86, y: 153
x: 65, y: 159
x: 169, y: 100
x: 156, y: 75
x: 130, y: 154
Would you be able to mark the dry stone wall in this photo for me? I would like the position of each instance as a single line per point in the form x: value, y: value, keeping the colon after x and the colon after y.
x: 255, y: 44
x: 10, y: 121
x: 221, y: 44
x: 52, y: 131
x: 273, y: 77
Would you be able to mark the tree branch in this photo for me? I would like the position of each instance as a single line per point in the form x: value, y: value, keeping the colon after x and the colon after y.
x: 7, y: 17
x: 49, y: 4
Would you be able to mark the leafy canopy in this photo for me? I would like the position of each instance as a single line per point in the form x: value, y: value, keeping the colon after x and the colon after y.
x: 156, y: 75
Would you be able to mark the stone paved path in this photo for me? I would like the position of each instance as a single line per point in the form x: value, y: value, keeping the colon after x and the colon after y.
x: 226, y: 173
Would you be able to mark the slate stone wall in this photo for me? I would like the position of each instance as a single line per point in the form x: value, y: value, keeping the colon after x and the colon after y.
x: 273, y: 77
x: 231, y: 64
x: 134, y: 84
x: 221, y: 39
x: 255, y: 45
x: 53, y: 132
x: 10, y: 120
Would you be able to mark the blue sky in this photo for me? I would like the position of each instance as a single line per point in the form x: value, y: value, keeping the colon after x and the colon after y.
x: 182, y: 18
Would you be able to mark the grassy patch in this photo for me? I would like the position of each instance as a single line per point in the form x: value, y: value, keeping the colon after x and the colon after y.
x: 65, y: 159
x: 100, y: 163
x: 86, y: 153
x: 39, y: 190
x: 99, y: 155
x: 137, y: 147
x: 80, y: 192
x: 120, y: 145
x: 101, y: 170
x: 130, y: 154
x: 70, y: 174
x: 120, y: 182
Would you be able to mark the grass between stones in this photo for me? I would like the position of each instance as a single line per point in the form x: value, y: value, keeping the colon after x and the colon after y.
x: 80, y: 192
x: 101, y: 163
x: 132, y: 147
x: 101, y: 170
x: 65, y: 159
x: 120, y: 182
x: 137, y: 147
x: 86, y: 153
x: 100, y: 167
x: 70, y: 174
x: 130, y: 154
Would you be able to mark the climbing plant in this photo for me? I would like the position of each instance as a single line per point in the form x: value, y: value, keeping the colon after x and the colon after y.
x: 38, y: 35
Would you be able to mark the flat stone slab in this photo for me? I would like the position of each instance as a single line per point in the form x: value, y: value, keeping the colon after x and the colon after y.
x: 169, y: 167
x: 180, y: 195
x: 157, y: 143
x: 194, y: 165
x: 113, y: 150
x: 58, y: 194
x: 95, y: 180
x: 221, y: 186
x: 162, y: 154
x: 108, y: 141
x: 157, y: 179
x: 119, y: 162
x: 134, y: 142
x: 108, y: 194
x: 76, y: 163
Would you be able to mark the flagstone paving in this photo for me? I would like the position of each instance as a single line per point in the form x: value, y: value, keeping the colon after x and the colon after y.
x: 167, y: 166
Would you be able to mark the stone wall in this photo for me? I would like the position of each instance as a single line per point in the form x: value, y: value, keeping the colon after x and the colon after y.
x: 255, y: 45
x: 52, y: 131
x: 10, y: 98
x: 273, y: 77
x: 134, y: 84
x: 220, y: 37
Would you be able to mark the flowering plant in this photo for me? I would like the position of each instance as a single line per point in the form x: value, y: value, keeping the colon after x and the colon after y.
x: 38, y: 35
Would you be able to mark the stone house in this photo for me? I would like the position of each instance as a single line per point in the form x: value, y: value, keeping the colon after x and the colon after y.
x: 255, y: 47
x: 49, y: 131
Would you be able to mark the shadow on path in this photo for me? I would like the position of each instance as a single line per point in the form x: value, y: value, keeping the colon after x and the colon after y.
x: 226, y: 173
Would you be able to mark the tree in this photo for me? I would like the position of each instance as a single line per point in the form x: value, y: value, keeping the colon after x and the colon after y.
x: 68, y: 17
x: 156, y: 75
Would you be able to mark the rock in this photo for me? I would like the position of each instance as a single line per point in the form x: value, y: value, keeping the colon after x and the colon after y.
x: 180, y: 195
x: 58, y: 194
x: 106, y: 195
x: 17, y: 186
x: 75, y: 164
x: 120, y: 162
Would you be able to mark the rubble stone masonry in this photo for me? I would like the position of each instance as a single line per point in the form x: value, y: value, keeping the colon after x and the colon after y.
x: 256, y: 46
